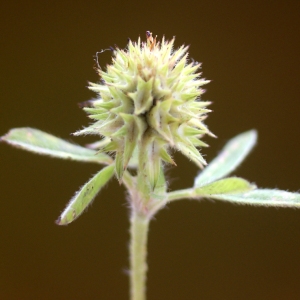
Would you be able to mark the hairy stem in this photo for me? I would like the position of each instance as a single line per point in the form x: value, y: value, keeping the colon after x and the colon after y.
x: 139, y: 225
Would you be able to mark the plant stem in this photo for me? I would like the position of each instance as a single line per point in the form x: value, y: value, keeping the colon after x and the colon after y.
x: 138, y: 255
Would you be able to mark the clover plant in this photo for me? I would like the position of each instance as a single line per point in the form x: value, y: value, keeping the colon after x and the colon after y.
x: 149, y: 105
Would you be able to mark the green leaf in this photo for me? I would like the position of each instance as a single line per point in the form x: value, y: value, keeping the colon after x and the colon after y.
x: 264, y: 197
x: 43, y: 143
x: 85, y: 196
x: 224, y: 186
x: 221, y: 187
x: 230, y: 157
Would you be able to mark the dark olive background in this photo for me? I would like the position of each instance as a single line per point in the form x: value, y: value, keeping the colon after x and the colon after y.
x: 208, y: 250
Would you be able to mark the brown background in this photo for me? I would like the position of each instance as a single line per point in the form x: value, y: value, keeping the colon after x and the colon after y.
x: 207, y: 250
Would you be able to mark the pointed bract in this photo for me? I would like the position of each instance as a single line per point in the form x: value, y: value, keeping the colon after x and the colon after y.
x: 150, y: 88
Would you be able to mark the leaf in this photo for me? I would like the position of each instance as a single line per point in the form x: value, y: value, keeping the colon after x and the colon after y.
x: 230, y: 157
x: 85, y: 196
x: 43, y: 143
x: 218, y: 188
x: 264, y: 197
x: 224, y: 186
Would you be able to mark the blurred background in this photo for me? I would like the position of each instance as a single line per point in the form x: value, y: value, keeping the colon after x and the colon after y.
x: 197, y: 250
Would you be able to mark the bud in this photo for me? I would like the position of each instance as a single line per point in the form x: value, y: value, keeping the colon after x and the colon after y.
x: 149, y: 101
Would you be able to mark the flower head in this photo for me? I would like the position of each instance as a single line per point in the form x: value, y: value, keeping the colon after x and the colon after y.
x: 149, y: 102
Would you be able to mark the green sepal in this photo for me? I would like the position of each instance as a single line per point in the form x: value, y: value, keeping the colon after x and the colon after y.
x: 129, y: 148
x: 191, y: 152
x: 126, y: 105
x: 120, y: 132
x: 165, y: 156
x: 95, y: 111
x: 196, y: 142
x: 188, y: 96
x: 191, y: 68
x: 98, y: 144
x: 154, y: 167
x: 180, y: 65
x: 111, y: 125
x: 122, y: 76
x: 192, y: 131
x: 106, y: 104
x: 102, y: 116
x: 128, y: 118
x: 85, y: 196
x: 156, y: 118
x: 133, y: 162
x: 119, y: 165
x: 128, y: 151
x: 105, y: 128
x: 160, y: 189
x: 150, y: 159
x: 177, y: 54
x: 153, y: 117
x: 135, y: 126
x: 159, y: 194
x: 159, y: 91
x: 130, y: 136
x: 199, y: 104
x: 43, y: 143
x: 141, y: 125
x: 96, y: 87
x: 142, y: 98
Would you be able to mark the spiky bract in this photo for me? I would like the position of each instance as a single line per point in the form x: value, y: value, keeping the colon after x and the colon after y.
x: 148, y: 102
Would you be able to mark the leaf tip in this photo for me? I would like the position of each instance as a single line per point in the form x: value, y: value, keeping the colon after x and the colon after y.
x: 60, y: 222
x: 120, y: 180
x: 3, y: 138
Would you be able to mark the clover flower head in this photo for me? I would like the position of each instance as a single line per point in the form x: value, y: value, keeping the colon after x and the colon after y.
x: 148, y: 103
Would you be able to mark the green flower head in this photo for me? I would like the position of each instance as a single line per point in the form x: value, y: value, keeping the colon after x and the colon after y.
x: 148, y: 103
